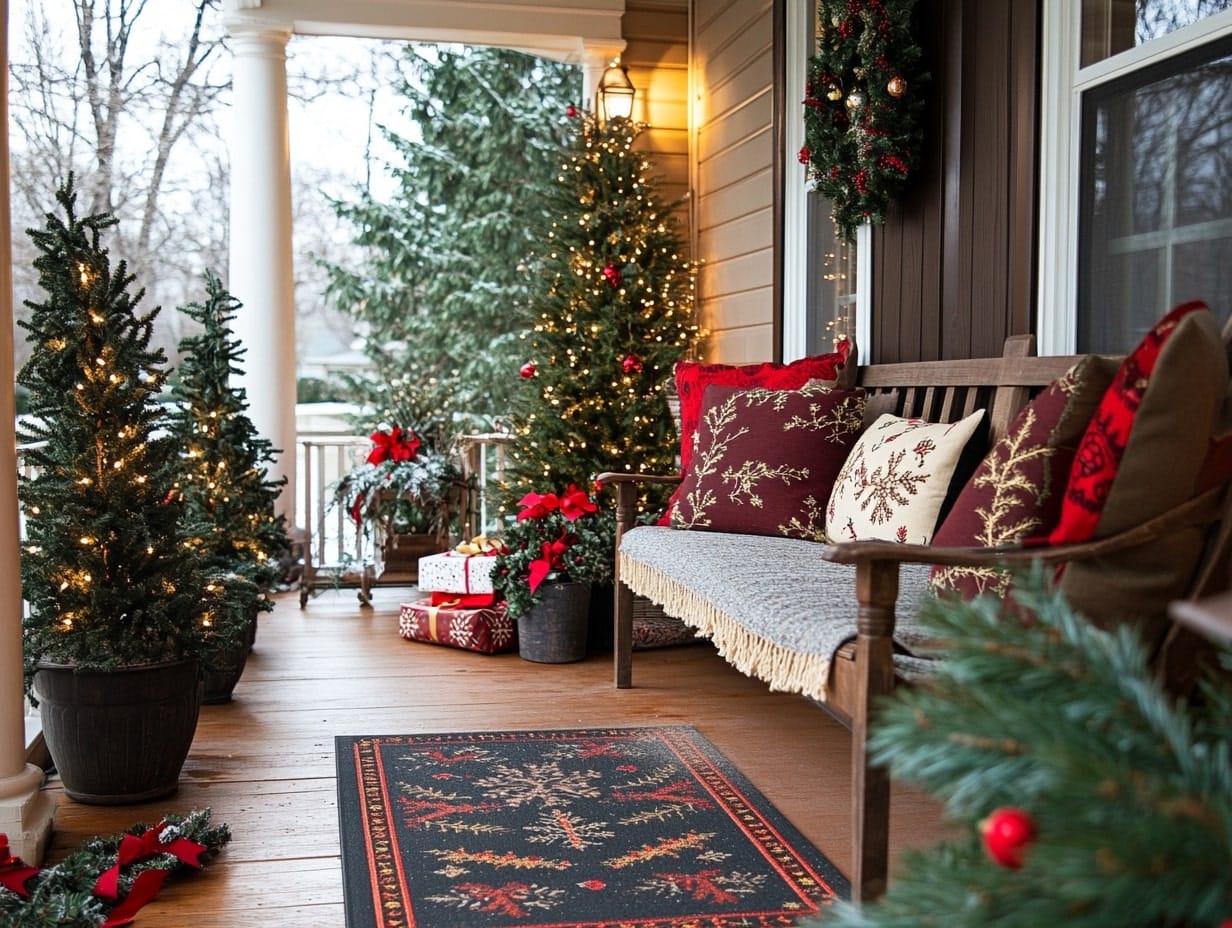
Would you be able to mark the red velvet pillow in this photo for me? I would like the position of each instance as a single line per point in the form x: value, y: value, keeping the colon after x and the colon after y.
x: 1016, y: 491
x: 1103, y: 444
x: 766, y: 460
x: 693, y: 377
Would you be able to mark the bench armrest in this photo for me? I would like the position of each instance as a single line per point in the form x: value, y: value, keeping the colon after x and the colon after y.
x: 621, y: 478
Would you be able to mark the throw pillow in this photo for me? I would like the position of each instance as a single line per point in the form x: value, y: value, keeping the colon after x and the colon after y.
x: 895, y: 480
x: 766, y: 459
x: 692, y: 379
x: 1016, y: 491
x: 1161, y: 467
x: 1106, y: 437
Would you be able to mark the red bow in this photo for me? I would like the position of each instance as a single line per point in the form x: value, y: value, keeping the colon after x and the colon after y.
x: 536, y: 505
x: 13, y: 872
x: 392, y: 446
x: 576, y: 503
x: 553, y: 559
x: 147, y: 883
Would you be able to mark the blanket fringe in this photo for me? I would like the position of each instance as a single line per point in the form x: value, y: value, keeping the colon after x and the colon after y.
x: 751, y: 654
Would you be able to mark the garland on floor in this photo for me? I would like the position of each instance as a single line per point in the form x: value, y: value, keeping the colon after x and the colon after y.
x: 106, y: 881
x: 862, y: 107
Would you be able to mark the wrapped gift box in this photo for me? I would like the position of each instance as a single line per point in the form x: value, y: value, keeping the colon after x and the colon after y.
x: 463, y: 574
x: 487, y: 630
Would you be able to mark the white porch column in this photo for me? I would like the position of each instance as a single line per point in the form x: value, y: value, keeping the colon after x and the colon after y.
x: 260, y: 260
x: 25, y: 812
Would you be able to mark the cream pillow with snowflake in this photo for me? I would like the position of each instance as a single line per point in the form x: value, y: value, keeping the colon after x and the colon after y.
x: 896, y: 478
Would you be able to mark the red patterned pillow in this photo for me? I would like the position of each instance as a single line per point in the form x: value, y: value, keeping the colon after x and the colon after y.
x: 1103, y: 444
x: 693, y: 377
x: 1015, y: 493
x: 766, y: 459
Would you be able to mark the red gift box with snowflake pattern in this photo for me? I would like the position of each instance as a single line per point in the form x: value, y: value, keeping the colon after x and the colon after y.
x: 487, y: 631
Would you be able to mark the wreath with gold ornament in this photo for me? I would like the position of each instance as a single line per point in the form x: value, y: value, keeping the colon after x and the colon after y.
x: 862, y: 107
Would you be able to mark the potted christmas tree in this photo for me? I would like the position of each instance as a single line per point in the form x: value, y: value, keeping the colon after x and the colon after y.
x: 227, y: 493
x: 118, y: 608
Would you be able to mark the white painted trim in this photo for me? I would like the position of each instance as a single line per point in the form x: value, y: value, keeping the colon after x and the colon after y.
x: 863, y: 333
x: 799, y: 28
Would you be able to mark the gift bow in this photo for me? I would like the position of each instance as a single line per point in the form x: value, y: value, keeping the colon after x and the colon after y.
x: 482, y: 545
x: 391, y: 446
x: 13, y: 871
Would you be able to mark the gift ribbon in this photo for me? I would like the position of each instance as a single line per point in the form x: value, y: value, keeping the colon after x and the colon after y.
x: 433, y: 612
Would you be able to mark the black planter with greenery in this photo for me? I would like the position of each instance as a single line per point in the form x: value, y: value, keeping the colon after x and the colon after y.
x: 106, y: 570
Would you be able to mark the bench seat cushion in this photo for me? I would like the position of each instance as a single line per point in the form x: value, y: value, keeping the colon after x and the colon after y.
x: 775, y: 609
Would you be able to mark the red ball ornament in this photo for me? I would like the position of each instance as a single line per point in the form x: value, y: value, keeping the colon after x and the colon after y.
x: 632, y: 364
x: 527, y: 370
x: 1007, y: 832
x: 804, y: 155
x: 611, y: 273
x: 571, y: 111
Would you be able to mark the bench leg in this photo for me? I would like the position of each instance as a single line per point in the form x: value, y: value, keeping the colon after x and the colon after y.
x: 877, y: 591
x: 622, y: 635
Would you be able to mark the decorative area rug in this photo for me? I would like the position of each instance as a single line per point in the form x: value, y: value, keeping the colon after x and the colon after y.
x: 636, y: 827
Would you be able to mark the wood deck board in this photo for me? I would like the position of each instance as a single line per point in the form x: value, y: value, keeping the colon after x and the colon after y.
x: 264, y: 763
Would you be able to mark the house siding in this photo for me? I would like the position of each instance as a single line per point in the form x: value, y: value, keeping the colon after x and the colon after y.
x: 734, y: 183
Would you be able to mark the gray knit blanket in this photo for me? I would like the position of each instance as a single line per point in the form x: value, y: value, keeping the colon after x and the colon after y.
x: 774, y: 609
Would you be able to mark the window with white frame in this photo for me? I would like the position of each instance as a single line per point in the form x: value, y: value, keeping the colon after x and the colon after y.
x: 824, y: 296
x: 1136, y: 209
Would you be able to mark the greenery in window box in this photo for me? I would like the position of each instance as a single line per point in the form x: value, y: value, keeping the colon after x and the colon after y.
x: 401, y: 488
x: 556, y: 539
x: 105, y: 569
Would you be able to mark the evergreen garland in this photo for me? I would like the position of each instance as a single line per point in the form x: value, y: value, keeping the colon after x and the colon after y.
x: 611, y: 312
x: 862, y: 107
x: 64, y: 895
x: 104, y: 568
x: 1111, y: 801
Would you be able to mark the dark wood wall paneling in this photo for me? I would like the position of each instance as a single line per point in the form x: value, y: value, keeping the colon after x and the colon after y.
x: 954, y: 266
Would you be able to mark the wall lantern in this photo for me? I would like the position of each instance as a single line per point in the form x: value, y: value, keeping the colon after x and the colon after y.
x: 615, y: 94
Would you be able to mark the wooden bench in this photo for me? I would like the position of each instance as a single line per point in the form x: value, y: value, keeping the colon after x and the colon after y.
x: 863, y: 670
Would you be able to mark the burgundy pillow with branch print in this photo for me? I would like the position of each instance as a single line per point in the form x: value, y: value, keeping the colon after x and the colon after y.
x: 895, y: 480
x: 1016, y: 491
x: 766, y: 459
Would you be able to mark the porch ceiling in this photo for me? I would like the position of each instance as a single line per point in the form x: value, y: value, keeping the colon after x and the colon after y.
x: 568, y: 30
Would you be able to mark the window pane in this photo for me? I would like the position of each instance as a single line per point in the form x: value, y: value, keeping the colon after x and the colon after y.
x: 1156, y: 218
x: 1112, y: 26
x: 831, y: 282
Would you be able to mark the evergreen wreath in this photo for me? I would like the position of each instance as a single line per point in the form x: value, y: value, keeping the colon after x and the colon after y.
x: 862, y: 107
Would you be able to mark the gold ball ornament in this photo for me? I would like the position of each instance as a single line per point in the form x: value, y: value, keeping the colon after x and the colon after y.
x: 896, y: 87
x: 835, y: 93
x: 855, y: 100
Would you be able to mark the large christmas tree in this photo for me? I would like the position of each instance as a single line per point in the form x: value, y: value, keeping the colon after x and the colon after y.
x: 434, y: 296
x: 611, y: 313
x: 1086, y: 795
x: 228, y: 494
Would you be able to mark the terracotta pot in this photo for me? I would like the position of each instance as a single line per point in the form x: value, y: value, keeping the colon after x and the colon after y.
x: 121, y: 736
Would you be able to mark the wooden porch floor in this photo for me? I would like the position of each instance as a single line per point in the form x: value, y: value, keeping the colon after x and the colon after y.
x: 265, y: 763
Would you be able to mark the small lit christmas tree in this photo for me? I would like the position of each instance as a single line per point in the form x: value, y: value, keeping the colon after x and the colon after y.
x: 1088, y: 795
x: 105, y: 570
x: 229, y: 497
x: 610, y: 314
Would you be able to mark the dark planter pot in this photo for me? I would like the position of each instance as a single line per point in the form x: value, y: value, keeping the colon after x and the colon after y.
x: 221, y: 672
x: 554, y: 631
x: 119, y: 737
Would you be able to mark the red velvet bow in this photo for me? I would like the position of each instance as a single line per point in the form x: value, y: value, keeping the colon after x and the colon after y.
x: 553, y: 559
x: 536, y: 505
x: 13, y: 872
x: 575, y: 503
x: 392, y: 446
x: 138, y: 847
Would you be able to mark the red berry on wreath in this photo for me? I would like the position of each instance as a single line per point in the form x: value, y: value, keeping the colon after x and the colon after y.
x: 632, y: 364
x: 527, y: 370
x: 1007, y: 832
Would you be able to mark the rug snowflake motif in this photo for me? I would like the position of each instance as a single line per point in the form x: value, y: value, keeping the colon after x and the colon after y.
x: 638, y: 827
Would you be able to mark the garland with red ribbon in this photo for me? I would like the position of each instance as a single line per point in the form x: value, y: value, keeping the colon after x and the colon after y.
x: 131, y: 869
